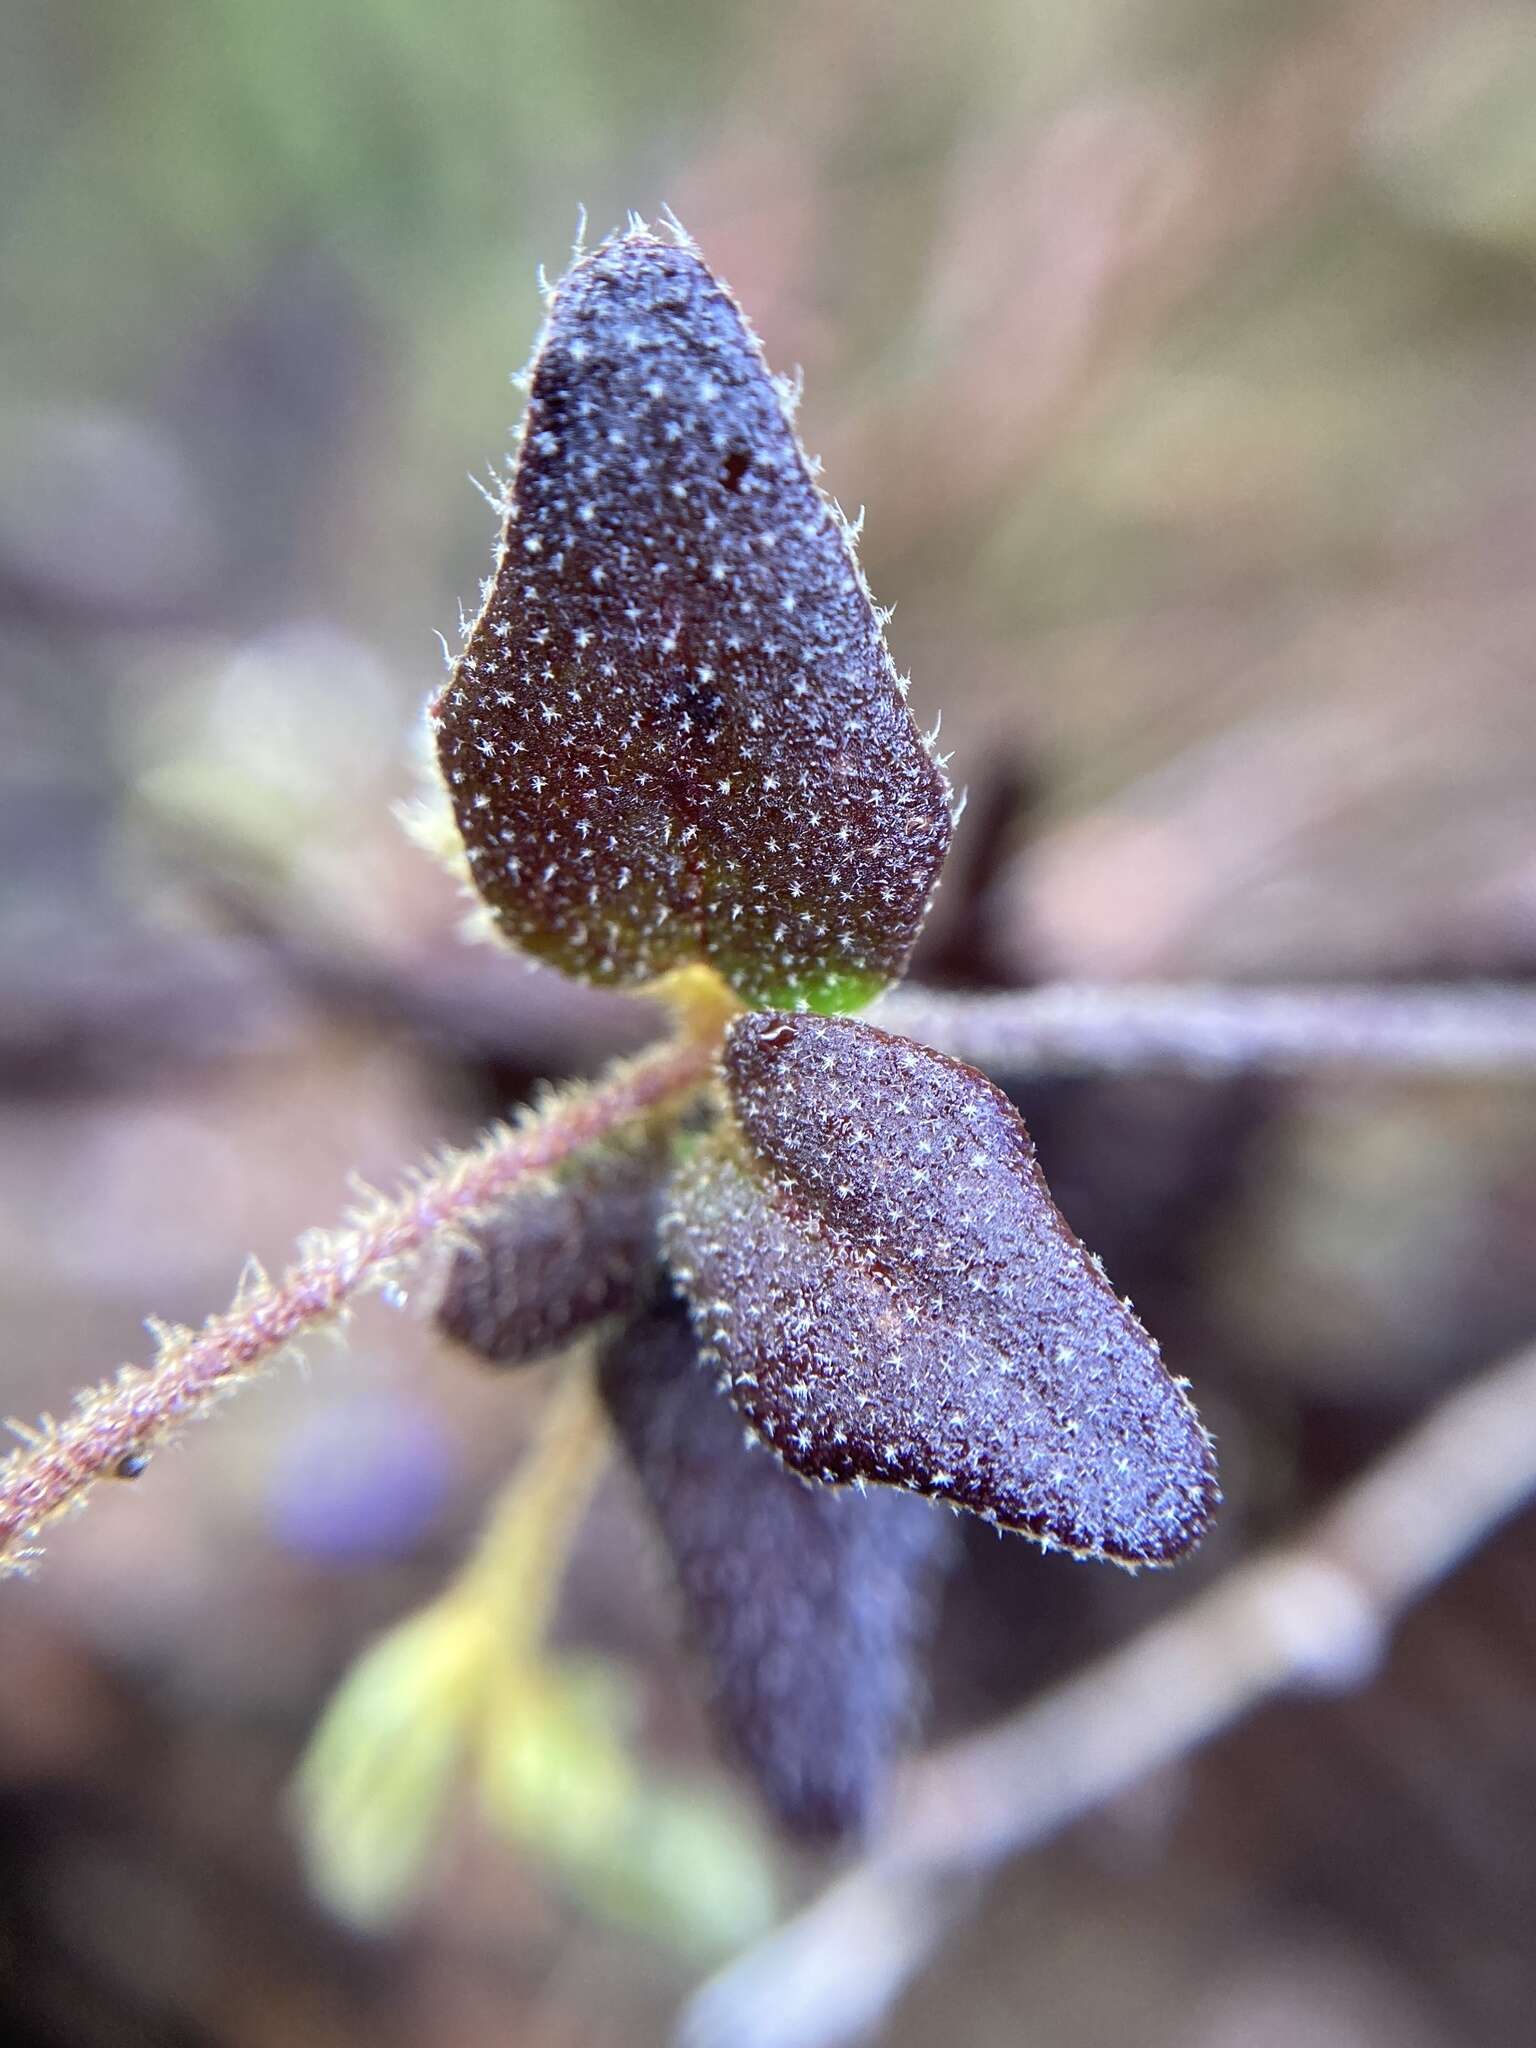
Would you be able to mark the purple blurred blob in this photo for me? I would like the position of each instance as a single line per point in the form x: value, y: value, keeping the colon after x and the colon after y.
x: 363, y: 1478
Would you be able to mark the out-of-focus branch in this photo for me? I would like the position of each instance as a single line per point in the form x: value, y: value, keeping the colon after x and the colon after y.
x: 1064, y: 1028
x: 212, y: 1002
x: 112, y: 1427
x: 1314, y: 1614
x: 1118, y: 212
x: 85, y: 1015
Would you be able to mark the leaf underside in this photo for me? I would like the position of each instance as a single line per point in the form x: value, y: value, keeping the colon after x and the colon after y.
x: 807, y: 1603
x: 879, y: 1274
x: 560, y: 1255
x: 675, y: 733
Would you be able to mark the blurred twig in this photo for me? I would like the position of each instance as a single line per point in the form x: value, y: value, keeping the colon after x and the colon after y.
x: 1313, y: 1614
x: 1118, y: 214
x: 93, y: 1016
x: 1065, y: 1028
x: 111, y: 1427
x: 217, y: 1000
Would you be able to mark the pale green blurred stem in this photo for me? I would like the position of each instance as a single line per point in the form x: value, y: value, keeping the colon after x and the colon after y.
x: 517, y: 1570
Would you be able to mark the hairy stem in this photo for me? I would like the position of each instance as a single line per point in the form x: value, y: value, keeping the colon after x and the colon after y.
x: 1065, y: 1028
x: 112, y: 1427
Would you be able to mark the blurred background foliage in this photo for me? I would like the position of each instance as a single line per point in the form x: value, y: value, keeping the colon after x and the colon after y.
x: 1182, y: 353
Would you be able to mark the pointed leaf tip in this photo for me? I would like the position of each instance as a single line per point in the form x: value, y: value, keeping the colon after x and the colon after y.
x: 675, y: 732
x: 877, y: 1267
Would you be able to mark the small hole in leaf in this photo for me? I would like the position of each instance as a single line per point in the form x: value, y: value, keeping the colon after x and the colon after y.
x: 706, y: 709
x: 735, y: 466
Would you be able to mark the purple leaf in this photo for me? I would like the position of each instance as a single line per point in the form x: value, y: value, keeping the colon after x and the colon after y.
x: 881, y: 1278
x: 675, y: 733
x: 808, y: 1604
x: 560, y: 1255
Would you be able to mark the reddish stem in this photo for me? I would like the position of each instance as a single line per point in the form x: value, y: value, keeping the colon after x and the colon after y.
x: 141, y: 1407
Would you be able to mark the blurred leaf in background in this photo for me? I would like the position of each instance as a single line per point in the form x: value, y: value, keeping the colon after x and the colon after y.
x: 441, y: 1699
